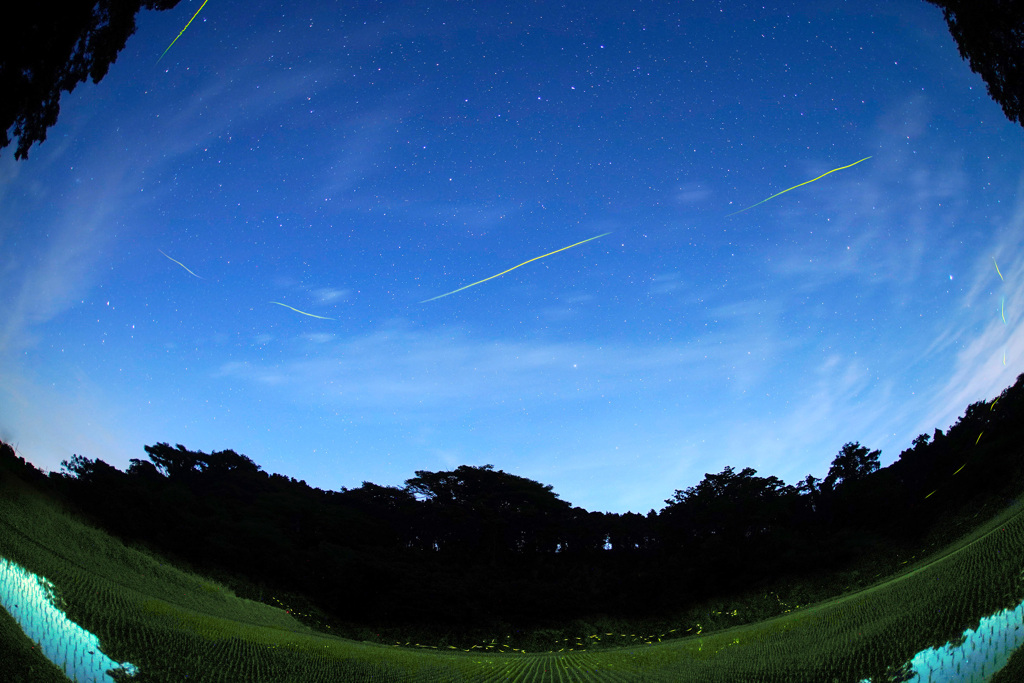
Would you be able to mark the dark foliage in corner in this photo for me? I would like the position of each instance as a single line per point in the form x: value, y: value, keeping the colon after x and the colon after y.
x: 990, y: 36
x: 47, y: 48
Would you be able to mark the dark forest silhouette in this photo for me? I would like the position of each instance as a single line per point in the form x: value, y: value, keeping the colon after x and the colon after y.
x: 990, y: 36
x: 47, y: 48
x: 476, y: 546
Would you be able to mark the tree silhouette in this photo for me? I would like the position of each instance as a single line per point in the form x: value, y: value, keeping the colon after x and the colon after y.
x: 362, y: 555
x: 733, y: 505
x: 584, y: 532
x: 853, y: 463
x: 174, y: 463
x: 143, y: 470
x: 629, y: 532
x: 49, y: 47
x: 476, y: 508
x: 990, y: 35
x: 388, y: 516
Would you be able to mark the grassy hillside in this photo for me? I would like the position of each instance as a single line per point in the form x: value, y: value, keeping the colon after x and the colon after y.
x: 177, y: 626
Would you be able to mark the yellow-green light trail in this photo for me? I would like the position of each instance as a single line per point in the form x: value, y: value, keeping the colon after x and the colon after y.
x: 997, y: 268
x: 302, y: 312
x: 181, y: 264
x: 514, y: 267
x: 182, y: 30
x: 796, y: 186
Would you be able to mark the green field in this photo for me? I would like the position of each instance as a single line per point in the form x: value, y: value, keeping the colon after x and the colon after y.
x: 176, y: 626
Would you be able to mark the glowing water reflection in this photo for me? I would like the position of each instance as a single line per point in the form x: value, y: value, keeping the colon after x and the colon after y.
x: 983, y: 652
x: 30, y: 600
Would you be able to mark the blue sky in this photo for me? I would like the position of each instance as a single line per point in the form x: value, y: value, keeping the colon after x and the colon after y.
x: 351, y: 160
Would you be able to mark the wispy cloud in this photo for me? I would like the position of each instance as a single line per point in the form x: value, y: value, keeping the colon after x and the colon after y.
x: 691, y: 193
x: 59, y: 265
x: 328, y: 295
x: 976, y: 336
x: 79, y: 417
x: 319, y: 338
x: 444, y: 370
x: 665, y: 283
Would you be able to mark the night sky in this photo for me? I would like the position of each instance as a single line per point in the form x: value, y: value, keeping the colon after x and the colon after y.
x: 352, y: 160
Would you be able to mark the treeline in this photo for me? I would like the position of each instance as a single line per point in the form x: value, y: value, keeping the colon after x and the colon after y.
x: 475, y: 546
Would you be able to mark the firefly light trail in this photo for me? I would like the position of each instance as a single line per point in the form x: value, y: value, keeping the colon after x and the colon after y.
x: 182, y: 30
x: 796, y: 186
x: 302, y: 312
x: 514, y: 267
x: 181, y: 264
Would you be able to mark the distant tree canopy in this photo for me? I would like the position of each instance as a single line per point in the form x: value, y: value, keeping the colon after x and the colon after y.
x: 49, y: 47
x: 853, y: 463
x: 182, y: 462
x: 731, y: 504
x: 472, y: 543
x: 483, y: 487
x: 494, y: 509
x: 990, y: 35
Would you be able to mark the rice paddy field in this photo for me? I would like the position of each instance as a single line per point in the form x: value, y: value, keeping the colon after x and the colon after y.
x: 80, y: 605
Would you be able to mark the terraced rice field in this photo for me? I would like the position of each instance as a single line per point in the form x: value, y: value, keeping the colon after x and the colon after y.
x: 81, y: 606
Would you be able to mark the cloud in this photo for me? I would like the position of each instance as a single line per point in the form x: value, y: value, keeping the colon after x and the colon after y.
x: 977, y: 333
x: 9, y: 170
x: 319, y: 338
x: 665, y: 283
x: 567, y: 308
x: 691, y: 193
x: 55, y: 424
x: 328, y: 295
x: 59, y: 265
x: 446, y: 371
x: 978, y: 372
x: 908, y: 119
